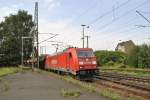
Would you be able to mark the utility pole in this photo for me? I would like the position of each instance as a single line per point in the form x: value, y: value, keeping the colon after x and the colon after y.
x: 22, y: 54
x: 87, y: 40
x: 36, y: 31
x: 33, y: 51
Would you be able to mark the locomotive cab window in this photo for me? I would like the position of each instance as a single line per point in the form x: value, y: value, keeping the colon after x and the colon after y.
x: 85, y: 53
x: 70, y: 55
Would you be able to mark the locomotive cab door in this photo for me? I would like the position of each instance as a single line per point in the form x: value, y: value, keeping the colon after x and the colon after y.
x: 69, y: 60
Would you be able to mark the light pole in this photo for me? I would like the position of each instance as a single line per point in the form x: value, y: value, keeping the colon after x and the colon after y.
x: 87, y: 37
x: 22, y: 54
x: 83, y: 33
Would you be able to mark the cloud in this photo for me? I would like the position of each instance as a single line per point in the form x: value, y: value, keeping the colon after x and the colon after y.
x: 7, y: 10
x: 51, y: 4
x: 48, y: 1
x: 53, y: 26
x: 68, y: 34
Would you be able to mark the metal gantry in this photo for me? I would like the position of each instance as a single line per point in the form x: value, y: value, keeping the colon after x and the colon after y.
x: 36, y: 31
x: 22, y: 54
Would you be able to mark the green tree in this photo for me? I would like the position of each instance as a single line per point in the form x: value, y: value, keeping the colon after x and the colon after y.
x: 110, y: 57
x: 140, y: 56
x: 144, y: 56
x: 132, y: 57
x: 11, y: 31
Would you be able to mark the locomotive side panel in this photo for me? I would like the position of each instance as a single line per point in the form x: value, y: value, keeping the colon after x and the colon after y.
x: 73, y: 61
x: 62, y: 62
x: 57, y: 62
x: 51, y: 62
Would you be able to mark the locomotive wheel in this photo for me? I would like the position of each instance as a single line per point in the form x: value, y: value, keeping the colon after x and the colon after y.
x: 59, y: 72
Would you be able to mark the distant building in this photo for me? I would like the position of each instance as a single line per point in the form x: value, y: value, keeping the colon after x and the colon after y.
x: 125, y: 46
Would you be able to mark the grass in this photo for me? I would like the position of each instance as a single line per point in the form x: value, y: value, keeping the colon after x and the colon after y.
x: 109, y: 93
x: 8, y: 70
x: 70, y: 93
x: 106, y: 92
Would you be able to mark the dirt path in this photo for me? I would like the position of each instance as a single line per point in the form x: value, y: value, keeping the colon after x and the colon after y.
x: 34, y: 86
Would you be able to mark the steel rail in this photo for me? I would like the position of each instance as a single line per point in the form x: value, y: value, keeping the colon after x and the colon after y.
x: 126, y: 80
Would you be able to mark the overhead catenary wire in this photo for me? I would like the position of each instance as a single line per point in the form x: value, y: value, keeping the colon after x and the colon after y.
x: 143, y: 16
x: 124, y: 14
x: 107, y: 13
x: 131, y: 21
x: 87, y: 10
x: 111, y: 12
x: 48, y: 38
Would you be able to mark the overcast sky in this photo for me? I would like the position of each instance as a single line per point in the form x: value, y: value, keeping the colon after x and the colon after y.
x: 110, y: 20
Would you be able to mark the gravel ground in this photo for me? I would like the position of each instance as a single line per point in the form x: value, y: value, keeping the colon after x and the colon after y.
x: 35, y: 86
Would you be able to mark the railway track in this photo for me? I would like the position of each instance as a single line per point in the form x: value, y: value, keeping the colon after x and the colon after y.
x: 139, y: 85
x: 126, y: 77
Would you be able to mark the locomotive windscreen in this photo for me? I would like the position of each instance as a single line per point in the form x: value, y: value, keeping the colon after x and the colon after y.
x: 85, y: 53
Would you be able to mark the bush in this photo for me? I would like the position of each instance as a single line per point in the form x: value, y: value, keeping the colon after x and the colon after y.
x: 123, y: 66
x: 110, y: 57
x: 110, y: 63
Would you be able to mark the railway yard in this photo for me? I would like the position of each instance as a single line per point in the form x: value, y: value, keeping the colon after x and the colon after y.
x: 74, y: 50
x: 135, y: 85
x: 48, y: 85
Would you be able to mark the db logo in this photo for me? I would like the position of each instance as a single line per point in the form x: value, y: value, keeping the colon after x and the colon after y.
x: 54, y: 62
x: 87, y: 59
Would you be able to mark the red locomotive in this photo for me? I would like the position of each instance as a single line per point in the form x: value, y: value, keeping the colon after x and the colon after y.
x: 79, y: 62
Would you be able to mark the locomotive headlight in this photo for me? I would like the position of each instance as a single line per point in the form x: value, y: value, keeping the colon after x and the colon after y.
x: 80, y: 62
x: 81, y: 67
x: 93, y: 62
